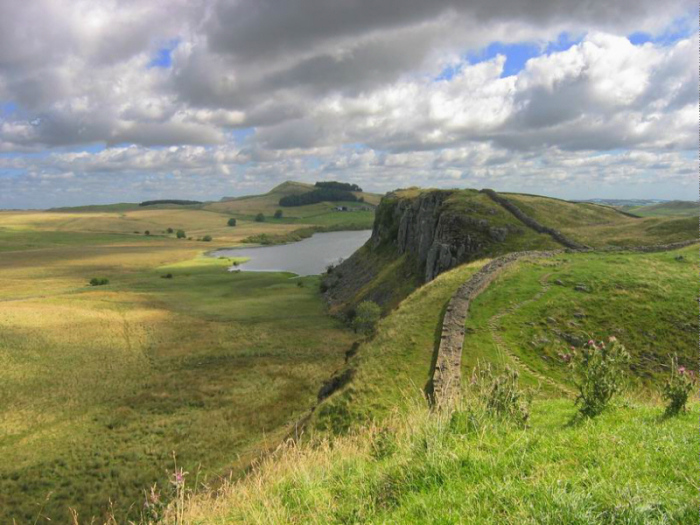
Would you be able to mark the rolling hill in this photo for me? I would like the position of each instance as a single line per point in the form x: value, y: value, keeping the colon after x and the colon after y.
x: 176, y: 353
x: 663, y: 209
x: 322, y: 214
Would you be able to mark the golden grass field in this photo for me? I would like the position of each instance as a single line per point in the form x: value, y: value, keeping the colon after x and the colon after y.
x: 99, y: 386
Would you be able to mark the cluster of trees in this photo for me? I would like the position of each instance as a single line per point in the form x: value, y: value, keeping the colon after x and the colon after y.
x: 318, y: 195
x: 169, y: 201
x: 334, y: 185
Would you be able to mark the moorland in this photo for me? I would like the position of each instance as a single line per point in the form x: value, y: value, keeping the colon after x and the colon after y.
x: 177, y: 362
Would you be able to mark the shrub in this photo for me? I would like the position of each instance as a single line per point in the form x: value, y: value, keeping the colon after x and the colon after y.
x: 99, y: 281
x: 181, y: 234
x: 170, y: 230
x: 231, y: 222
x: 206, y: 238
x: 677, y: 388
x: 260, y: 217
x: 147, y: 232
x: 598, y: 374
x: 366, y: 316
x: 278, y: 214
x: 502, y: 395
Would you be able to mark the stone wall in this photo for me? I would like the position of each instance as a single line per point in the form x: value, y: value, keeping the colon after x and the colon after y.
x: 532, y: 223
x: 447, y: 374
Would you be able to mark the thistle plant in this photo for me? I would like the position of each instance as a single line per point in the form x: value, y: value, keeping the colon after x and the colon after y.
x: 599, y: 370
x: 677, y: 388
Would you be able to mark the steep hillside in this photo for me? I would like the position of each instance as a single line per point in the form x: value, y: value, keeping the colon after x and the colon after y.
x: 418, y: 234
x: 391, y: 460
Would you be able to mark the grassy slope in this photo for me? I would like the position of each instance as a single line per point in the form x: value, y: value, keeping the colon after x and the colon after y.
x: 664, y: 209
x: 100, y: 385
x: 479, y: 206
x: 599, y: 226
x: 628, y: 466
x: 642, y: 299
x: 396, y: 362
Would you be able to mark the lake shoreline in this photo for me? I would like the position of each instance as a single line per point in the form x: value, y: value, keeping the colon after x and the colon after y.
x: 309, y: 256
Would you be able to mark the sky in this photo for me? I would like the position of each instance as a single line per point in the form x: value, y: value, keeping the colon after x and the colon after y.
x: 107, y: 101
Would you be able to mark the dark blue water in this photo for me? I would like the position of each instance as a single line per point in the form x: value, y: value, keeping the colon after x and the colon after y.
x: 308, y: 257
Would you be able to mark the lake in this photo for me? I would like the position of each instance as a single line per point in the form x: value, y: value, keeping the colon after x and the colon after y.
x: 308, y: 257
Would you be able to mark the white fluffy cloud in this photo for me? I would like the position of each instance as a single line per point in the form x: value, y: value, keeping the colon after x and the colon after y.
x: 252, y: 92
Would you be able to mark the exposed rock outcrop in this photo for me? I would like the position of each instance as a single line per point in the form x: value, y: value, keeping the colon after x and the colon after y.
x: 428, y: 236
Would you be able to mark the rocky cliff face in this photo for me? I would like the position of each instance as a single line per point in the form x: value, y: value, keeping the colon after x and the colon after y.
x: 426, y: 235
x: 436, y: 237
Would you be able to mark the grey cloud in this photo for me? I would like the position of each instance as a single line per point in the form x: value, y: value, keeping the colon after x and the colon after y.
x: 254, y: 29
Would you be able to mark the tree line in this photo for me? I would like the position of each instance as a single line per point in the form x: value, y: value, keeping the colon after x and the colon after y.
x: 318, y: 195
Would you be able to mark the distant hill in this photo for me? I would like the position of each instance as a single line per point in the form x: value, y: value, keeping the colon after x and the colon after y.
x: 118, y: 207
x: 268, y: 203
x: 663, y: 209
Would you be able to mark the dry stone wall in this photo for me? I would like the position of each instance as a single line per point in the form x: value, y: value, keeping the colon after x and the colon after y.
x: 447, y: 375
x: 532, y: 223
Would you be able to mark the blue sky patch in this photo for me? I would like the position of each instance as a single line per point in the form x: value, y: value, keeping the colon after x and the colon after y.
x: 164, y: 56
x: 680, y: 29
x: 516, y: 55
x: 7, y: 108
x: 241, y: 134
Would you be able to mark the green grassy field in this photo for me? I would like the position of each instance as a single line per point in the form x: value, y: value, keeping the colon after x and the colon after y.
x: 100, y: 385
x: 642, y: 299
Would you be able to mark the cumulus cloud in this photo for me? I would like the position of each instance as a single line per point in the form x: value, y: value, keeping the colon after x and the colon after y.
x: 384, y: 93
